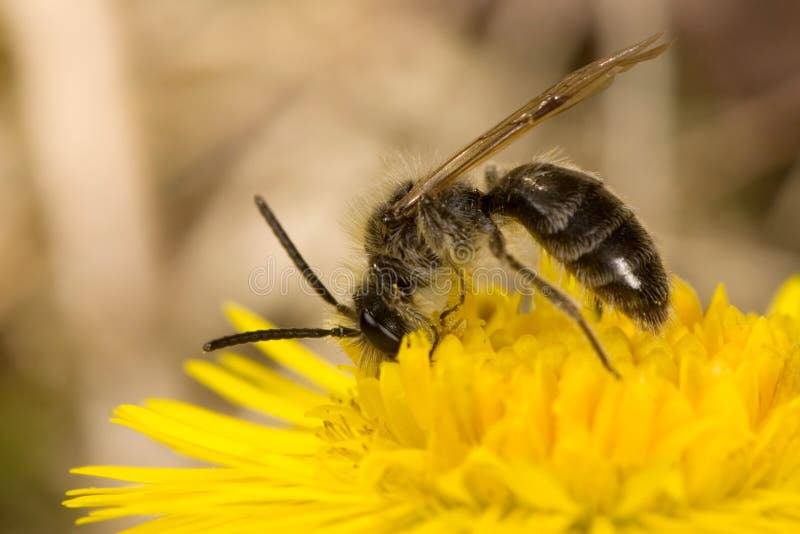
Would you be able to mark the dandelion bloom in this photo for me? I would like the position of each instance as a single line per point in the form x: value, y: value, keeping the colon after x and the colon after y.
x: 516, y: 425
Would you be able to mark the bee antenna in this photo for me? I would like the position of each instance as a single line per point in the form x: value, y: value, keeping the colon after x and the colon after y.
x: 298, y: 260
x: 278, y: 333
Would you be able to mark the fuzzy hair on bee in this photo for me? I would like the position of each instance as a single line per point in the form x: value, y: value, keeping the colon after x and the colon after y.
x: 436, y: 226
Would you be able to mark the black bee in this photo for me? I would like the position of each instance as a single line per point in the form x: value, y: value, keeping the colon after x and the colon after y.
x: 424, y: 227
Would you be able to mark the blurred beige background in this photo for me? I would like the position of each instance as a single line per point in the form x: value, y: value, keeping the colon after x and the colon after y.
x: 133, y: 136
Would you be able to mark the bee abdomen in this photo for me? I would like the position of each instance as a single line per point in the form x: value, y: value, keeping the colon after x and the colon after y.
x: 591, y: 232
x: 625, y: 271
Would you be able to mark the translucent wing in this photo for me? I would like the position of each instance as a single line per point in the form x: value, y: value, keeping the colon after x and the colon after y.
x: 577, y: 86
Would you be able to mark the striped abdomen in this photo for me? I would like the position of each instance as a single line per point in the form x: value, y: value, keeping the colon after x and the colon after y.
x: 591, y: 232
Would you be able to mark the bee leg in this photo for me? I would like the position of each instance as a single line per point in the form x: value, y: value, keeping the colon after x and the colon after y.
x: 558, y: 298
x: 597, y: 308
x: 435, y: 344
x: 492, y: 175
x: 462, y: 288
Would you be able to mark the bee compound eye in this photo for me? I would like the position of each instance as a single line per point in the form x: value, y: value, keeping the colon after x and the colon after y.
x: 378, y: 334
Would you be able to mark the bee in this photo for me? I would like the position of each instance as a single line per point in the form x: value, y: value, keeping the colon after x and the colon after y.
x: 417, y: 233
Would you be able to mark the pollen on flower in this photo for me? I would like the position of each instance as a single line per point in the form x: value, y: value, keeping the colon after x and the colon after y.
x: 514, y: 425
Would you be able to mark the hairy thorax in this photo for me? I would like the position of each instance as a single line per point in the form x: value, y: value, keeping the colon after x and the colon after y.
x: 437, y: 233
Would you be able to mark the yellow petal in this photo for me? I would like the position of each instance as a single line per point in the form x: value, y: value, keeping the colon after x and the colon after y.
x: 415, y: 371
x: 787, y: 300
x: 244, y: 393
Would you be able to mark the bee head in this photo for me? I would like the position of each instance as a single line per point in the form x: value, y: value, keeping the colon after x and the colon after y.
x: 381, y: 324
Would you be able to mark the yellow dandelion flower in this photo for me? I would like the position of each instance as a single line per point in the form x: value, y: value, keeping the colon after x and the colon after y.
x: 516, y: 426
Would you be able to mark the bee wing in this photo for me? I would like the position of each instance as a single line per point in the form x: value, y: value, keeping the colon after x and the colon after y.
x: 578, y: 85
